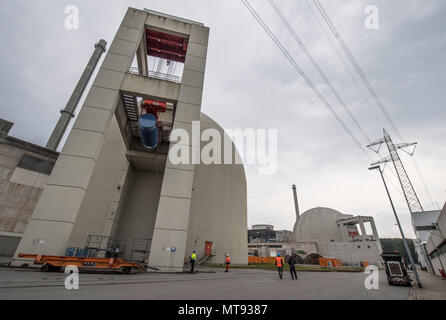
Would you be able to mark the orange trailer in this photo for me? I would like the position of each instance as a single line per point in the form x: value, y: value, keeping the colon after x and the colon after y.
x: 56, y: 263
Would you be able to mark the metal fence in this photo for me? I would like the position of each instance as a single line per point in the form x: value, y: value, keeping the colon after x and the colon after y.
x: 155, y: 75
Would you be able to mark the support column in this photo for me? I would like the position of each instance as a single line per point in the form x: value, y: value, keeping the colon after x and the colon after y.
x: 142, y: 57
x: 53, y: 219
x: 172, y: 222
x: 374, y: 230
x: 344, y: 232
x: 361, y: 225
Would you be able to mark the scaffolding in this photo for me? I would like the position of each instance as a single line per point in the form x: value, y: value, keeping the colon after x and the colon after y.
x: 97, y: 246
x: 140, y: 250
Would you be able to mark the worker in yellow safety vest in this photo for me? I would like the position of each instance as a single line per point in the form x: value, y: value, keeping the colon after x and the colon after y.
x: 279, y: 264
x: 193, y: 258
x: 227, y: 262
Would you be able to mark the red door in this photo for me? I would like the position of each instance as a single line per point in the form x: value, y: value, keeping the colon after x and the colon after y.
x: 208, y: 248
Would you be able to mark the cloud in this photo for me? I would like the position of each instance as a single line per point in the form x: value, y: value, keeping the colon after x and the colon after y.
x: 249, y: 84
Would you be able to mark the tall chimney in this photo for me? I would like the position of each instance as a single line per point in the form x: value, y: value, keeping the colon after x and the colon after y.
x: 296, y: 204
x: 68, y: 113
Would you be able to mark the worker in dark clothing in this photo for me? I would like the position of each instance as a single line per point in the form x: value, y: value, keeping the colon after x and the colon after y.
x: 116, y: 253
x: 279, y: 264
x: 292, y: 263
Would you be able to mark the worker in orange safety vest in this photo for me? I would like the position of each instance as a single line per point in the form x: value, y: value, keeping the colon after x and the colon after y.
x: 279, y: 264
x: 227, y: 262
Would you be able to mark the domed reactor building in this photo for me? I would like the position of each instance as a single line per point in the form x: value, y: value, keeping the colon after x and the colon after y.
x: 113, y: 188
x: 336, y: 235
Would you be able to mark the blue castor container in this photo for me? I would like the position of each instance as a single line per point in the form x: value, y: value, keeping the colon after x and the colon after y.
x: 148, y: 130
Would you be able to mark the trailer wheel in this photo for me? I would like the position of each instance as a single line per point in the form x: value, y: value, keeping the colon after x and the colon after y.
x: 126, y: 270
x: 56, y: 269
x: 45, y: 268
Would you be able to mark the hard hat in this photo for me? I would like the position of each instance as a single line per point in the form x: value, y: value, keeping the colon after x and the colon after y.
x: 278, y: 254
x: 195, y: 251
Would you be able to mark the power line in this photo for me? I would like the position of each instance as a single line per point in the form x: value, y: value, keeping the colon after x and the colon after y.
x: 302, y: 73
x: 355, y: 64
x: 424, y: 183
x: 355, y: 82
x: 361, y: 92
x: 296, y: 66
x: 368, y: 85
x: 317, y: 67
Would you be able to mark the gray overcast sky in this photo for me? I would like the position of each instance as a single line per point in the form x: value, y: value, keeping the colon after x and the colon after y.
x: 249, y: 84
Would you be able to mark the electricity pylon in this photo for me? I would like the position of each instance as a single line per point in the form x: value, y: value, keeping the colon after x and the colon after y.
x: 413, y: 202
x: 408, y: 190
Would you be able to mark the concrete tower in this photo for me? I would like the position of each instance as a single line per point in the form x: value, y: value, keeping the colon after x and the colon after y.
x: 106, y: 185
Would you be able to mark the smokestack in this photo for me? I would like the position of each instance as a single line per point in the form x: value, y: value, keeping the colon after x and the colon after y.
x: 296, y: 204
x: 68, y: 113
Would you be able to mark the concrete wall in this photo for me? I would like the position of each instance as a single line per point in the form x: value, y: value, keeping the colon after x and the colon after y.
x: 106, y: 191
x: 149, y: 87
x: 137, y: 219
x: 266, y: 249
x: 8, y: 244
x: 219, y: 209
x: 20, y: 190
x: 352, y: 252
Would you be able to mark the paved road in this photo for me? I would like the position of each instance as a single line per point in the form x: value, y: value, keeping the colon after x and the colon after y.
x: 434, y: 288
x: 215, y: 285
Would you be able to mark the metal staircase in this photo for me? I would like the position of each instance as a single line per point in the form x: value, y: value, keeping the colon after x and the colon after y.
x: 131, y: 108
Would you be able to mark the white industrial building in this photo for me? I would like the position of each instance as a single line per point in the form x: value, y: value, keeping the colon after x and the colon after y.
x: 435, y: 243
x: 109, y: 190
x: 424, y: 223
x: 336, y: 235
x: 321, y: 232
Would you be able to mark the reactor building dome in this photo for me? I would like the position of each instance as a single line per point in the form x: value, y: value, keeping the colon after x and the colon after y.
x: 218, y: 216
x: 319, y: 225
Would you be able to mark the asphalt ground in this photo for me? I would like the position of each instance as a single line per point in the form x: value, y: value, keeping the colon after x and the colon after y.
x: 207, y: 284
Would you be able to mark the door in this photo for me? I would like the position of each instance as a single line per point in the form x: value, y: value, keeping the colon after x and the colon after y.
x: 208, y: 248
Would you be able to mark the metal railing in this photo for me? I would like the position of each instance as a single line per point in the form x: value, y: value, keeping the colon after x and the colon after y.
x: 155, y: 75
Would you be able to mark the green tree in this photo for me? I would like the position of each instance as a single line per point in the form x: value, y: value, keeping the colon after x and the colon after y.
x: 390, y: 245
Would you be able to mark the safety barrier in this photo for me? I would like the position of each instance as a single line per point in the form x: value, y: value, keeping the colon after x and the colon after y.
x: 252, y: 259
x: 330, y: 262
x: 154, y: 74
